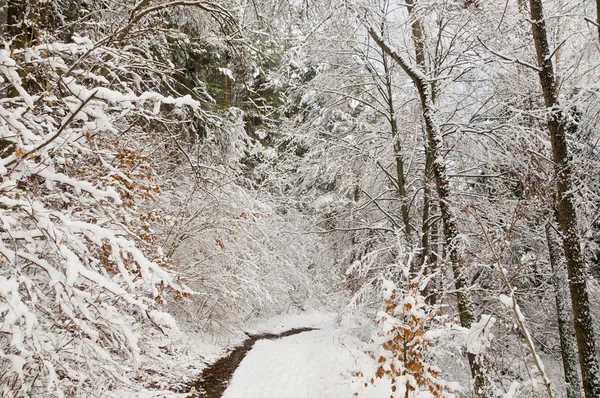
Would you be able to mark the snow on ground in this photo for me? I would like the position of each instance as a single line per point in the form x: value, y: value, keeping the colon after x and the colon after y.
x: 145, y: 393
x: 169, y: 362
x: 317, y: 364
x: 282, y: 323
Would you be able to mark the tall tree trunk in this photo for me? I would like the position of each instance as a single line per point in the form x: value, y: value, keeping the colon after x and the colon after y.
x: 400, y: 176
x: 427, y: 96
x: 443, y: 189
x: 387, y: 93
x: 598, y: 17
x: 428, y: 231
x: 568, y: 346
x: 567, y: 219
x: 3, y: 18
x: 417, y: 36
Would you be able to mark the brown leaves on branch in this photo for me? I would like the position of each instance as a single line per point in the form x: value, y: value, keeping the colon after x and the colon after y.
x: 403, y: 329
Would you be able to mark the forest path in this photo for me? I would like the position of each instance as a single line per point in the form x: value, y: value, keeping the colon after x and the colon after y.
x: 306, y: 363
x: 214, y: 379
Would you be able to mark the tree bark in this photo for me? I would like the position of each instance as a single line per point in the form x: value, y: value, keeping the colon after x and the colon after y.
x: 567, y: 218
x: 568, y: 346
x: 417, y: 35
x: 443, y: 189
x: 427, y: 232
x: 400, y: 176
x: 598, y: 18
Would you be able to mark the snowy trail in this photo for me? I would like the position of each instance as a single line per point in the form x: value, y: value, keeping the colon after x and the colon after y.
x: 302, y: 363
x: 214, y: 378
x: 316, y: 364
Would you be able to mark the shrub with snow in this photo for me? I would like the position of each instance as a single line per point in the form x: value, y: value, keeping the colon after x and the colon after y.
x: 408, y: 331
x: 79, y: 269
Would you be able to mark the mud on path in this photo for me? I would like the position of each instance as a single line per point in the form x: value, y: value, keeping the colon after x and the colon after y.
x: 214, y: 379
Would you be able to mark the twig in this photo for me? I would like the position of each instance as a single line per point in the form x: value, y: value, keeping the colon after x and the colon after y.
x: 388, y: 215
x: 497, y: 255
x: 58, y: 133
x: 587, y: 19
x: 509, y: 59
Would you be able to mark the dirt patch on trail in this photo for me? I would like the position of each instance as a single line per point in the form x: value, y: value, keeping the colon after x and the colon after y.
x: 214, y: 379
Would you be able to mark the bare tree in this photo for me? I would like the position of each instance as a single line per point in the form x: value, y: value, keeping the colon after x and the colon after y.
x: 450, y: 228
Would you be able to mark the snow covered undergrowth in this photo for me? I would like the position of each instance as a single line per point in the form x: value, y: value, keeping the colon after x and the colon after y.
x: 284, y: 322
x: 169, y: 363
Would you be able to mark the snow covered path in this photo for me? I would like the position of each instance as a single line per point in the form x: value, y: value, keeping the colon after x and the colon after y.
x: 312, y: 364
x: 316, y: 364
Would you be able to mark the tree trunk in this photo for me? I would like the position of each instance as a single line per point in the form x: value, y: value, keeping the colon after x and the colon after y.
x: 400, y: 176
x: 3, y: 18
x: 568, y: 346
x: 598, y: 17
x: 567, y: 218
x: 443, y: 189
x: 417, y: 35
x: 428, y: 232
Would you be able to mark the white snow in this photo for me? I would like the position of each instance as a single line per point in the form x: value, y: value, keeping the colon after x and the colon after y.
x: 479, y: 336
x: 282, y: 323
x: 8, y: 67
x: 147, y: 394
x: 317, y: 364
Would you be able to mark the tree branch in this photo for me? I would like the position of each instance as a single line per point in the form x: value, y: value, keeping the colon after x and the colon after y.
x: 509, y: 59
x: 58, y: 133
